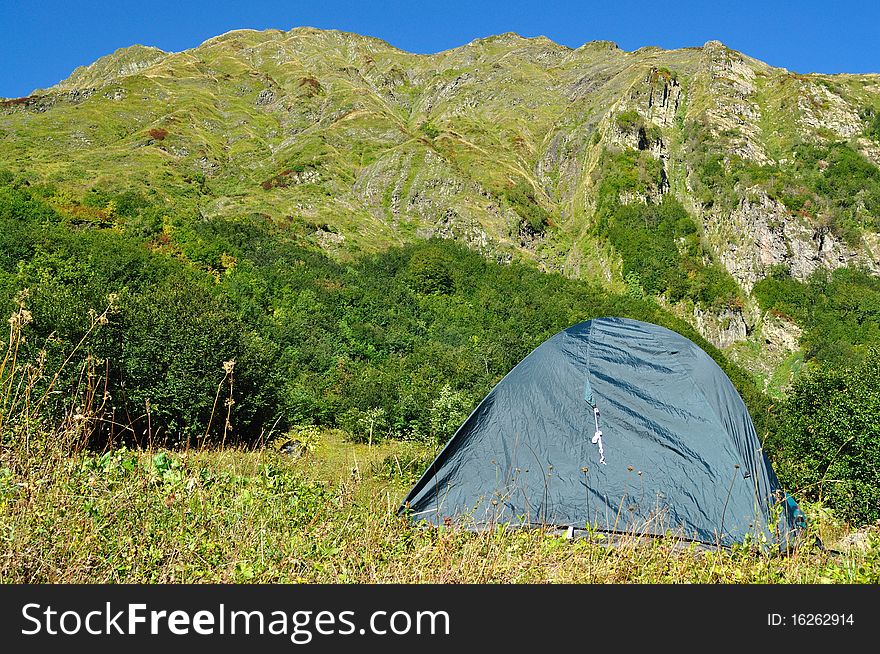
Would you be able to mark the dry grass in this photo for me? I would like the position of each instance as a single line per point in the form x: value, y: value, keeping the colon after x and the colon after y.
x: 259, y: 516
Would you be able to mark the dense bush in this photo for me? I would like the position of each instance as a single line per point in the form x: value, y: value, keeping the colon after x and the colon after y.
x: 826, y: 442
x: 872, y: 122
x: 718, y: 177
x: 839, y: 311
x: 828, y: 439
x: 161, y: 346
x: 521, y: 196
x: 629, y: 120
x: 658, y: 242
x: 401, y: 343
x: 628, y: 171
x: 833, y: 185
x: 429, y: 272
x: 429, y: 129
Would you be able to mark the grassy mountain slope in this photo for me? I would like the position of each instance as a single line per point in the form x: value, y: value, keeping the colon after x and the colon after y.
x: 521, y: 148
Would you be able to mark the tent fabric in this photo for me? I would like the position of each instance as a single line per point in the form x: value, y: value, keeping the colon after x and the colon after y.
x: 681, y: 452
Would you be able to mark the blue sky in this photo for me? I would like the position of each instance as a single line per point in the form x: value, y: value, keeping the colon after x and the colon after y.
x: 41, y: 42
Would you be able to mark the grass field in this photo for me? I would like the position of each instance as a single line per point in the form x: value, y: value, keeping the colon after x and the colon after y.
x: 327, y: 516
x: 310, y: 506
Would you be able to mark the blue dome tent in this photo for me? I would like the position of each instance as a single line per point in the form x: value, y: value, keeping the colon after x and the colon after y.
x: 613, y: 425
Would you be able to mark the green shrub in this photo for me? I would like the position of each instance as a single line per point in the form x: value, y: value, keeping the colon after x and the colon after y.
x: 626, y: 171
x: 833, y: 185
x: 839, y: 312
x: 429, y: 129
x: 429, y: 272
x: 718, y: 176
x: 521, y: 196
x: 828, y: 440
x: 160, y: 352
x: 406, y: 341
x: 659, y: 243
x: 629, y: 120
x: 872, y: 122
x: 183, y: 350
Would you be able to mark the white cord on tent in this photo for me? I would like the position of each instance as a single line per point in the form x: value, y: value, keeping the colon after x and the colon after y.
x: 597, y: 437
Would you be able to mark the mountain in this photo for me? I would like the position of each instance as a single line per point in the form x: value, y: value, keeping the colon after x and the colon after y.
x: 690, y: 175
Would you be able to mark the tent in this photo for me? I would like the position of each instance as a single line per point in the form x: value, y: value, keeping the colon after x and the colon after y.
x: 612, y: 425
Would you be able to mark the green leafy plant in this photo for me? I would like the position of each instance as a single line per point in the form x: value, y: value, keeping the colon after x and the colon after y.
x: 828, y: 440
x: 534, y: 218
x: 300, y: 439
x: 658, y: 241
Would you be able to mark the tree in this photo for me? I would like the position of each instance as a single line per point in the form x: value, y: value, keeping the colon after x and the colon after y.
x: 429, y: 272
x: 828, y: 441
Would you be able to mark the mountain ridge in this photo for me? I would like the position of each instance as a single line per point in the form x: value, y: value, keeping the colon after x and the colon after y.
x: 596, y: 43
x: 520, y: 147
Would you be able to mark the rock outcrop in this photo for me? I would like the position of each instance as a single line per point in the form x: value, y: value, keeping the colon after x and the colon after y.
x: 761, y: 233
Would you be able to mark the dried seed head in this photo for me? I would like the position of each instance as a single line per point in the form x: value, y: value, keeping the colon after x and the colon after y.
x: 229, y: 366
x: 20, y: 318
